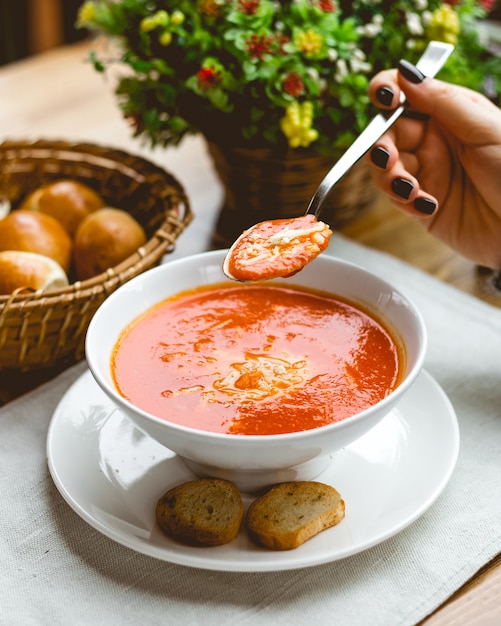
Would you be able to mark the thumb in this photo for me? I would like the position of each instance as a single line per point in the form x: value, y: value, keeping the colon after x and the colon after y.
x: 466, y: 114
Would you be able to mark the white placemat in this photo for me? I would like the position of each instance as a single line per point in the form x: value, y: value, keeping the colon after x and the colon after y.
x: 57, y: 570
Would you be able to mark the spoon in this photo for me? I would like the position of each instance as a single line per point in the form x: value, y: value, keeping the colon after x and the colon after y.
x: 282, y: 247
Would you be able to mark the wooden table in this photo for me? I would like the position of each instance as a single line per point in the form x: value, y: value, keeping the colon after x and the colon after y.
x: 58, y: 95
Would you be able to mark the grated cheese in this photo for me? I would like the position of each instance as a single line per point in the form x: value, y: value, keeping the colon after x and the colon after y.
x: 286, y: 235
x: 261, y: 376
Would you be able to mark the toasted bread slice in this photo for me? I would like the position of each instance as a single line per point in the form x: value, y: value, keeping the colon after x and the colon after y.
x: 291, y: 513
x: 204, y: 512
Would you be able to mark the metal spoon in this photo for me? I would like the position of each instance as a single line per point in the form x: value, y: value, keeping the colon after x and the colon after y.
x: 432, y: 60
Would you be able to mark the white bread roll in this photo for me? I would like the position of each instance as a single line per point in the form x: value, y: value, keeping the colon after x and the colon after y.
x: 36, y: 232
x: 105, y: 238
x: 4, y: 206
x: 28, y: 270
x: 68, y: 201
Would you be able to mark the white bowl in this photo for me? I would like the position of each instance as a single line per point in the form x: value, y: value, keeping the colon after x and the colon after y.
x: 255, y: 461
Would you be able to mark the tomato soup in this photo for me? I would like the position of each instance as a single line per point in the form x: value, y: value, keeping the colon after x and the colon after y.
x: 255, y: 359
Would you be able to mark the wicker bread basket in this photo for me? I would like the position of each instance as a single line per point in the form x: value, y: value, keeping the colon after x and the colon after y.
x: 39, y: 330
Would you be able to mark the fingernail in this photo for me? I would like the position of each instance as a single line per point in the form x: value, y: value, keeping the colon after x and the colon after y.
x: 410, y: 72
x: 402, y: 187
x: 425, y: 205
x: 385, y: 95
x: 380, y: 156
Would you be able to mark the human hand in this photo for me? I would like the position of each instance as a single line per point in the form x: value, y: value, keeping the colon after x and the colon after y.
x: 445, y: 170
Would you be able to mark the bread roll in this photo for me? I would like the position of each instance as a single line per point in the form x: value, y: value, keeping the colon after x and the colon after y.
x: 68, y: 201
x: 291, y: 513
x: 28, y: 270
x: 36, y: 232
x: 4, y: 206
x: 104, y: 239
x: 203, y: 512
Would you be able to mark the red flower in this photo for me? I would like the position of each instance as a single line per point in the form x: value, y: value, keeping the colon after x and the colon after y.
x: 258, y: 46
x: 209, y: 8
x: 293, y: 85
x: 208, y: 78
x: 249, y: 7
x: 488, y: 5
x: 327, y: 6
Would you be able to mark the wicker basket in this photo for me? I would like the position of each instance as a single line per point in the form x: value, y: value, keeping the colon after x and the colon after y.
x: 39, y: 330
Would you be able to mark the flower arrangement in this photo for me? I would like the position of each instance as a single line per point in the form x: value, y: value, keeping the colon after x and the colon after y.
x: 291, y: 74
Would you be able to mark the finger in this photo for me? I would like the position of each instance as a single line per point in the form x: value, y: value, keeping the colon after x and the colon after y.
x: 398, y: 183
x: 466, y: 114
x: 384, y: 155
x: 384, y: 89
x: 412, y: 164
x: 422, y: 208
x: 409, y: 134
x: 403, y: 187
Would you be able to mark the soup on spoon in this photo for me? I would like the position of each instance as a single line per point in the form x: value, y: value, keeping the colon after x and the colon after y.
x: 276, y: 248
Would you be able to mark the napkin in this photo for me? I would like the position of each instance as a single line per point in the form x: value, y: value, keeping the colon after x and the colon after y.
x: 55, y: 569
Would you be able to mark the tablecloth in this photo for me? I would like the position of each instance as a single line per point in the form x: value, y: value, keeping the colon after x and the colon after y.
x: 55, y: 569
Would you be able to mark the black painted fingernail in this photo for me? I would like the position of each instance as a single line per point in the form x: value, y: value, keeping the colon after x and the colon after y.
x: 425, y: 205
x: 380, y: 156
x: 402, y: 187
x: 385, y: 95
x: 410, y: 72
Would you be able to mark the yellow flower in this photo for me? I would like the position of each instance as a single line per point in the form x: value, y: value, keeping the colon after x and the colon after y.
x: 160, y: 19
x: 296, y: 125
x: 177, y: 18
x: 86, y: 14
x: 309, y: 43
x: 165, y: 38
x: 148, y: 23
x: 444, y: 25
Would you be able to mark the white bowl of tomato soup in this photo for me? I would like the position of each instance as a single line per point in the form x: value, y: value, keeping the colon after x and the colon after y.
x: 256, y: 383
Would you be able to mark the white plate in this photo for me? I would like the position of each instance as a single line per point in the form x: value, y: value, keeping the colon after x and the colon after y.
x: 112, y: 475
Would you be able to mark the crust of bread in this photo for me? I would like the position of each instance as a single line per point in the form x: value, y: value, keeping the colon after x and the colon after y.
x: 291, y: 513
x: 105, y: 238
x: 27, y: 270
x: 203, y: 512
x: 68, y: 201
